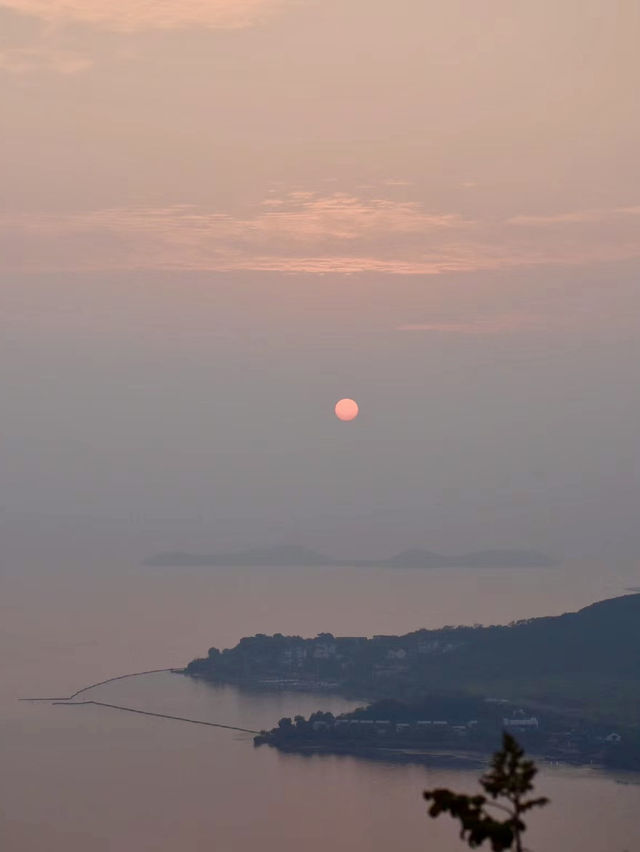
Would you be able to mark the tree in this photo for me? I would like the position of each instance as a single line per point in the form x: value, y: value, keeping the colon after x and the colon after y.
x: 509, y: 779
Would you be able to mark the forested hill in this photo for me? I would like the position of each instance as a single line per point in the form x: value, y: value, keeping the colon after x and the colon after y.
x: 589, y: 660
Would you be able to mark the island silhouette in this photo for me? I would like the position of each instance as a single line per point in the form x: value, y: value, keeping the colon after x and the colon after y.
x: 293, y: 555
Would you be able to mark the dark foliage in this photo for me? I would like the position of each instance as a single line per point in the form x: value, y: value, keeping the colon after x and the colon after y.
x: 507, y: 783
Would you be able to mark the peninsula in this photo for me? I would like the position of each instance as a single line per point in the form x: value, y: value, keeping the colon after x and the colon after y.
x: 578, y: 672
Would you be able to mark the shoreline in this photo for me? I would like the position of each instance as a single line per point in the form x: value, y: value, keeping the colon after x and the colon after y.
x: 398, y: 753
x: 447, y: 758
x: 444, y: 758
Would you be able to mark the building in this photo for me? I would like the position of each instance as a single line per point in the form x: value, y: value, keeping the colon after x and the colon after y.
x: 400, y: 654
x: 521, y: 723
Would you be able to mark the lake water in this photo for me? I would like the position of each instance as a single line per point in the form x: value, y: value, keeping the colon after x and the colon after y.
x: 89, y: 779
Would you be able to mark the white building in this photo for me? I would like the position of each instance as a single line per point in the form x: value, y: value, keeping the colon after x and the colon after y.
x: 530, y: 723
x: 324, y: 651
x: 400, y: 654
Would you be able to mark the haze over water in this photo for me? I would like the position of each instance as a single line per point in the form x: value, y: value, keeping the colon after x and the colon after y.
x: 219, y: 218
x: 87, y: 778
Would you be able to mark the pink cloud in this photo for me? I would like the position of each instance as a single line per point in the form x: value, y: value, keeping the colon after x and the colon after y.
x: 132, y: 15
x: 303, y: 232
x: 498, y: 324
x: 25, y: 60
x: 576, y: 217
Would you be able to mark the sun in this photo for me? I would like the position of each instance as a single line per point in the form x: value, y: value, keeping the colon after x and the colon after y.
x: 346, y: 409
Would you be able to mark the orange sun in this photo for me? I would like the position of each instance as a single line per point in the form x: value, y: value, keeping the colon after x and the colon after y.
x: 346, y: 409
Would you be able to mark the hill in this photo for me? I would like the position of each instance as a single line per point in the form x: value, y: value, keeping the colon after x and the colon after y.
x: 282, y: 556
x: 587, y: 662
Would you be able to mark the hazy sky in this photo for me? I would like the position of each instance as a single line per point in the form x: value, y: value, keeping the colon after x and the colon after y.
x: 218, y: 217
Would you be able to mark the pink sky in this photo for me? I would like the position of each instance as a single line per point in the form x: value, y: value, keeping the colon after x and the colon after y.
x: 220, y: 216
x: 411, y: 138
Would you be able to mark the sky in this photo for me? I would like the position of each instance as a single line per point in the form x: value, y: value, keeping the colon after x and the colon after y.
x: 218, y: 217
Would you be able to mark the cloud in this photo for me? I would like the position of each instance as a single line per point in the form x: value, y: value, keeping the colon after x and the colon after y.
x: 301, y: 231
x: 135, y: 15
x: 576, y: 217
x: 46, y: 35
x: 26, y: 60
x: 497, y: 324
x: 298, y: 232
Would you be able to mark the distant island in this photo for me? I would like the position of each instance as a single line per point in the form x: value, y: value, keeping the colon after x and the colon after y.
x: 577, y: 676
x: 291, y: 555
x: 283, y: 556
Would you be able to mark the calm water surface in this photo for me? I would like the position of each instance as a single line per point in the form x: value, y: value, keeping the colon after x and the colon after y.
x: 89, y: 778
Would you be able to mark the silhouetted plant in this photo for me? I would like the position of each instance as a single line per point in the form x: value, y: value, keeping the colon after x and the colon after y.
x: 509, y: 779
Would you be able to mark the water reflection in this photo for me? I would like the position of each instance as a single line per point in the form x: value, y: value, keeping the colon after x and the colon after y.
x: 90, y: 779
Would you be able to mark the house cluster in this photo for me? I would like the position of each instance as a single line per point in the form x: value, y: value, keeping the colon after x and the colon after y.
x: 521, y: 723
x: 385, y: 655
x: 323, y: 647
x: 400, y: 647
x: 386, y: 727
x: 323, y: 658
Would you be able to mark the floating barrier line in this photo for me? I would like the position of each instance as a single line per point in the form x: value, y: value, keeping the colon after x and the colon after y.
x: 65, y: 703
x: 100, y: 683
x: 68, y: 701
